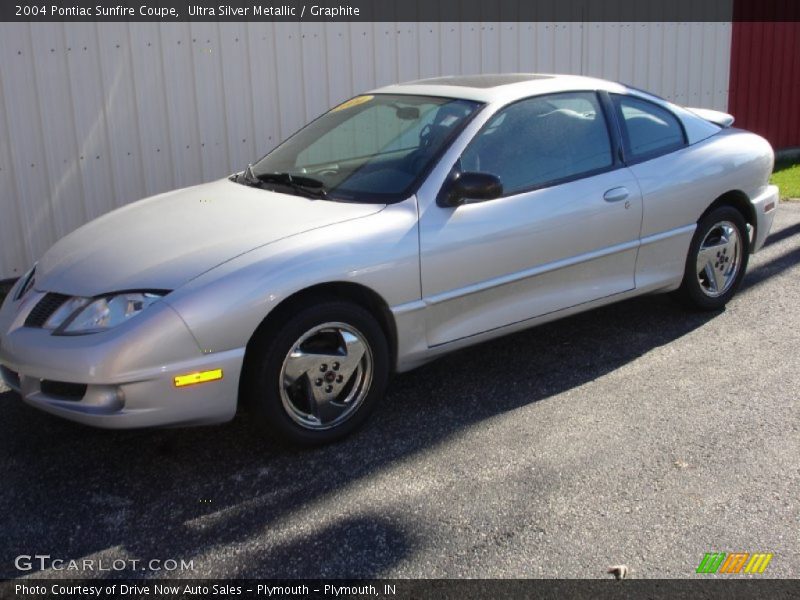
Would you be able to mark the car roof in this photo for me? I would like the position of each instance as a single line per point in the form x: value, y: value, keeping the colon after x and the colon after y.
x: 503, y: 88
x: 499, y: 87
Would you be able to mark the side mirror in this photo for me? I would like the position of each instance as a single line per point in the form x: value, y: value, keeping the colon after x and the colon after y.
x: 469, y: 187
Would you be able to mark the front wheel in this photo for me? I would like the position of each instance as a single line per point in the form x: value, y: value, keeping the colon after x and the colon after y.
x: 318, y: 376
x: 717, y: 259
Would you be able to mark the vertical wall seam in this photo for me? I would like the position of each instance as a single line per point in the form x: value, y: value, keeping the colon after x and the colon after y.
x: 251, y: 93
x: 137, y: 116
x: 276, y: 65
x: 26, y: 251
x: 104, y: 108
x: 198, y: 131
x: 46, y: 170
x: 170, y: 150
x: 79, y: 147
x: 303, y: 93
x: 225, y: 120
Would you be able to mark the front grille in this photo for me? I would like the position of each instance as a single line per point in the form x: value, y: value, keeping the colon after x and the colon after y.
x: 63, y: 390
x: 10, y: 377
x: 44, y: 309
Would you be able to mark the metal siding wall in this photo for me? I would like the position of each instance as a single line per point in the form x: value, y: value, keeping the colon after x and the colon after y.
x: 96, y: 116
x: 684, y: 62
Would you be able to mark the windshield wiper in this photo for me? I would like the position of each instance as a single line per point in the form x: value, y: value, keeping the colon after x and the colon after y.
x: 306, y: 186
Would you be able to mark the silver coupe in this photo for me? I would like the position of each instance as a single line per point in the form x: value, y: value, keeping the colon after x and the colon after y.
x: 402, y: 224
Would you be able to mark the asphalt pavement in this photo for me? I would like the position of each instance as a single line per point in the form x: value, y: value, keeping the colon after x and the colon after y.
x: 638, y: 434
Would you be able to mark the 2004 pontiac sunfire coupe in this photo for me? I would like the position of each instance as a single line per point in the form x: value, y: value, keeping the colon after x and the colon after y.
x: 402, y: 224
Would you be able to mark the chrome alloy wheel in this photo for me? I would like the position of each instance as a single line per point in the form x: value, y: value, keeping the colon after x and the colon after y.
x: 326, y: 376
x: 719, y: 258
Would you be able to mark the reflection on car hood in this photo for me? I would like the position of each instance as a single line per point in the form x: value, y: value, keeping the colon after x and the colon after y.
x: 164, y: 241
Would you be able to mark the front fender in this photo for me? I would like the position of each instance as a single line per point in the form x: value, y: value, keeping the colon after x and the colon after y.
x: 224, y: 306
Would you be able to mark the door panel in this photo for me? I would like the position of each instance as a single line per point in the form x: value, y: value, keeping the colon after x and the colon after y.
x: 490, y: 264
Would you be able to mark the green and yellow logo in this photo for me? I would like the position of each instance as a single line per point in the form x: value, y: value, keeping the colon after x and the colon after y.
x: 734, y: 562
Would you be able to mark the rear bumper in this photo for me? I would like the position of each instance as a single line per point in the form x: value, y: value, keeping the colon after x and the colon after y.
x: 765, y: 205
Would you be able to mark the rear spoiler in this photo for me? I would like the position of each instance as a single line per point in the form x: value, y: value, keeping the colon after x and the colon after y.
x: 714, y: 116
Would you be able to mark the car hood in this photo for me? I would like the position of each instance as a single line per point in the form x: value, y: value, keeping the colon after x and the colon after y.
x: 162, y: 242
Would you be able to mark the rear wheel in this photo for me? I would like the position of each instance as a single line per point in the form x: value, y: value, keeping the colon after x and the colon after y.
x: 318, y: 376
x: 717, y: 259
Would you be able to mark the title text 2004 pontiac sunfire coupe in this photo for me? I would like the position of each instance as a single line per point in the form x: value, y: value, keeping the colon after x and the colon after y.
x: 402, y: 224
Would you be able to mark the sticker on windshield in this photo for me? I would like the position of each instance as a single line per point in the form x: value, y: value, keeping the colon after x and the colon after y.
x: 353, y: 102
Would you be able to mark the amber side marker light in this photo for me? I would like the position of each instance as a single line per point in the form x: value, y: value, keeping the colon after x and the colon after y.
x: 199, y: 377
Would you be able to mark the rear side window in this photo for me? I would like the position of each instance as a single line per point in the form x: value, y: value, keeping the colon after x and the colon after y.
x: 648, y: 130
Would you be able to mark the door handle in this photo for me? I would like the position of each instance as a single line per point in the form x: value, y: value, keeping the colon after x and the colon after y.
x: 616, y: 194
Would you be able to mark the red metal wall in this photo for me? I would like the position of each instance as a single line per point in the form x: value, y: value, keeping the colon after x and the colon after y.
x: 764, y: 91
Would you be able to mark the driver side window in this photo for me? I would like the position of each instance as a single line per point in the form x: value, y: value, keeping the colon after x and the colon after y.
x: 542, y: 140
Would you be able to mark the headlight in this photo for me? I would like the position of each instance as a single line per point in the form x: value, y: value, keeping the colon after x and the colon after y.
x: 24, y: 284
x: 84, y: 315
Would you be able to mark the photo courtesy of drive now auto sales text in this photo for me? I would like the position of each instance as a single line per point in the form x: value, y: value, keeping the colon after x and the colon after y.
x: 141, y: 590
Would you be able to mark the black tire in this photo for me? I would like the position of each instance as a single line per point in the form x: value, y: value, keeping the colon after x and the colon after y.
x: 696, y: 293
x: 262, y: 388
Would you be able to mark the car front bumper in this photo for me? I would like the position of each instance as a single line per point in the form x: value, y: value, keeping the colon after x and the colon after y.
x: 128, y: 372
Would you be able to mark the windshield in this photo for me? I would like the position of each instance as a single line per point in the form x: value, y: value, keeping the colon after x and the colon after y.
x: 368, y: 149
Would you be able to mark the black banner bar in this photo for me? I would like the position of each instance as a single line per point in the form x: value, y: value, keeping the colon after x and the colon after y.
x: 398, y: 10
x: 403, y: 589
